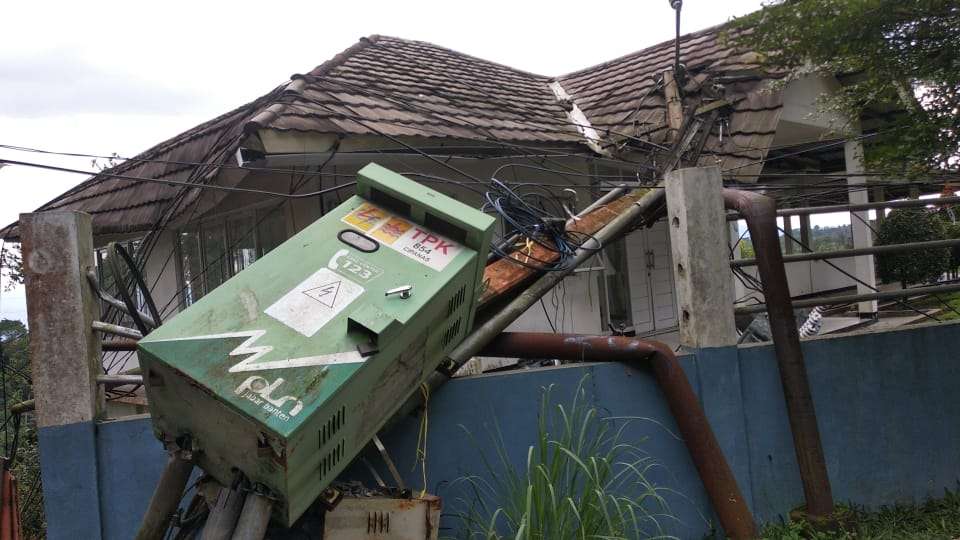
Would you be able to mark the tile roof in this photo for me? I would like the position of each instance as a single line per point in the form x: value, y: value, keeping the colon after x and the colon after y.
x: 394, y: 87
x: 621, y: 99
x: 120, y: 205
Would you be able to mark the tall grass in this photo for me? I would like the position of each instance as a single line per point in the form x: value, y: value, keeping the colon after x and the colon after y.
x: 581, y: 481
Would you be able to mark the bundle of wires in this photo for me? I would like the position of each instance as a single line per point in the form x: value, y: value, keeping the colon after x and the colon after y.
x: 534, y: 218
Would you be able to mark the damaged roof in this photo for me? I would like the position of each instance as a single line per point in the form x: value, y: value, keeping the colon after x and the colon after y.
x: 621, y: 97
x: 394, y: 87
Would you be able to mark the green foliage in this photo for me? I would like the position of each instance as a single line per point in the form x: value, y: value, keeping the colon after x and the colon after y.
x: 933, y: 520
x: 26, y: 465
x: 821, y: 239
x: 581, y: 481
x: 952, y: 231
x: 905, y: 226
x: 831, y: 238
x: 11, y: 265
x: 894, y: 52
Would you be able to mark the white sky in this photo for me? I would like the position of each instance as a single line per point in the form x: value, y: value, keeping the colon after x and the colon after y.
x: 103, y: 77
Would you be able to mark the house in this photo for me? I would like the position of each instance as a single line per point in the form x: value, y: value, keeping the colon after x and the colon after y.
x: 455, y: 121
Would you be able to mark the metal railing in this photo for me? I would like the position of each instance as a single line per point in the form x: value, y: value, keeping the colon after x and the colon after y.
x: 899, y: 294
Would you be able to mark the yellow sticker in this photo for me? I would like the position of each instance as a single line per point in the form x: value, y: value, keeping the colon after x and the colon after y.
x: 365, y: 217
x: 391, y: 230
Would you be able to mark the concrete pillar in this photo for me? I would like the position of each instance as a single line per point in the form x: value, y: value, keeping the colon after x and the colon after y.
x: 862, y: 235
x: 805, y: 231
x: 698, y: 239
x: 65, y: 360
x: 739, y: 291
x: 880, y: 195
x: 789, y: 246
x: 64, y: 350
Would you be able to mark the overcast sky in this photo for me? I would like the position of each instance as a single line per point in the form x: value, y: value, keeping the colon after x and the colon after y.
x: 118, y: 77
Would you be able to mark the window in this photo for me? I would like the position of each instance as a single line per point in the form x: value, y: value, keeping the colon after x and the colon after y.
x: 616, y: 281
x: 216, y: 249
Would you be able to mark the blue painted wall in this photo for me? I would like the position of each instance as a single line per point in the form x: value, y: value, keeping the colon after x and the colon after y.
x: 70, y: 477
x: 886, y: 404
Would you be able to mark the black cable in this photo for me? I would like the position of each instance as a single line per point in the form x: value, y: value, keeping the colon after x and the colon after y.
x: 854, y: 278
x: 539, y: 219
x: 187, y: 185
x: 547, y: 315
x: 803, y: 151
x: 134, y: 161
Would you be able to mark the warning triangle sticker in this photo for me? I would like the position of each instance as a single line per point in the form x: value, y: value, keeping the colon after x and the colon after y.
x: 326, y: 294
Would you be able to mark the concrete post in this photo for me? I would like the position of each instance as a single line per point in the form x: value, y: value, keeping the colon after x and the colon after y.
x: 739, y: 290
x: 805, y: 231
x: 65, y: 360
x: 64, y: 350
x: 880, y: 195
x: 862, y: 235
x: 788, y: 244
x: 698, y: 238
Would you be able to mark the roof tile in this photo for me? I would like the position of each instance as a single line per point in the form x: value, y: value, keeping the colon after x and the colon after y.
x: 395, y: 87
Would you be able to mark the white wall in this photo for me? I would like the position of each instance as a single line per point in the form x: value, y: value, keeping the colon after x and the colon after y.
x: 810, y: 277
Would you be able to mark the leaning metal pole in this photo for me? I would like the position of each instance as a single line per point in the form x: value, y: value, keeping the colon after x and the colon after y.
x: 650, y: 202
x: 760, y: 213
x: 254, y: 518
x: 646, y: 205
x: 223, y: 517
x: 471, y: 345
x: 165, y: 498
x: 715, y: 473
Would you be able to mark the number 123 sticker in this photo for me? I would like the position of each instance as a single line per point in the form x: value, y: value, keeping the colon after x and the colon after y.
x: 350, y: 265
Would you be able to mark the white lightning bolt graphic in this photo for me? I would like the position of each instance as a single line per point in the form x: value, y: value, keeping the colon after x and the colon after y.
x: 257, y: 351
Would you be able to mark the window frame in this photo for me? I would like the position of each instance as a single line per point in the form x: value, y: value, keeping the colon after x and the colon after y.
x: 259, y: 212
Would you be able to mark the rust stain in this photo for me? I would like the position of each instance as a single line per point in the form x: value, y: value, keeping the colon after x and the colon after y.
x: 503, y: 275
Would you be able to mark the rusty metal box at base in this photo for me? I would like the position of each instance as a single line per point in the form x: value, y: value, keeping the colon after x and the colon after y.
x: 383, y: 518
x: 286, y: 370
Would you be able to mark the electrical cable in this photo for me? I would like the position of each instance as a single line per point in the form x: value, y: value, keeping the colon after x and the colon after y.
x: 187, y: 185
x: 851, y: 276
x: 539, y: 220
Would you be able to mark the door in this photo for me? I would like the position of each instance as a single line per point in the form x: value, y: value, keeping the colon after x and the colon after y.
x: 652, y: 295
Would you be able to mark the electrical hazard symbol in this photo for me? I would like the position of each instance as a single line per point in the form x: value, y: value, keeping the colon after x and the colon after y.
x: 325, y: 294
x: 314, y: 302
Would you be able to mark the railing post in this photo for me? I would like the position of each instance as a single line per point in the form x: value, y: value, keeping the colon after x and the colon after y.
x: 65, y: 360
x: 701, y: 257
x: 862, y: 235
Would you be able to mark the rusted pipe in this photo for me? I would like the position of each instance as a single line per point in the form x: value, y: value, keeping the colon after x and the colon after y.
x: 715, y: 473
x: 760, y: 213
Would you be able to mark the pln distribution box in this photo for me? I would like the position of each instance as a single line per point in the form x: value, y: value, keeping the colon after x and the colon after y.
x: 287, y: 370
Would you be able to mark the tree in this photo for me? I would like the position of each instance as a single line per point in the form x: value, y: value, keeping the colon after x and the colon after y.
x: 900, y: 56
x: 20, y: 435
x: 906, y: 226
x: 11, y: 265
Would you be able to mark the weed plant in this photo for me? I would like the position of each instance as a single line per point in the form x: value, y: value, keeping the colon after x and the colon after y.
x: 581, y: 481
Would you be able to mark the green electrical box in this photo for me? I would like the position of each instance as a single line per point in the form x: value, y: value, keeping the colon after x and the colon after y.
x: 288, y: 369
